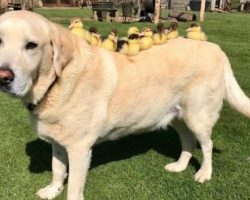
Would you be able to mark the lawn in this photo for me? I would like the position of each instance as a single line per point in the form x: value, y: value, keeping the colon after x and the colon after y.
x: 132, y: 168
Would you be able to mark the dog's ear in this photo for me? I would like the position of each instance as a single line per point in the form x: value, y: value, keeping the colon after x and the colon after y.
x: 61, y: 41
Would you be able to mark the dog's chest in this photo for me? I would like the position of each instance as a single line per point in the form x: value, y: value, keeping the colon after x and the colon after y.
x: 46, y: 131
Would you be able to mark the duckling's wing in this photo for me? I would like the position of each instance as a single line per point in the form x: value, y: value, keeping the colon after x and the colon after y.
x: 204, y: 37
x: 120, y: 44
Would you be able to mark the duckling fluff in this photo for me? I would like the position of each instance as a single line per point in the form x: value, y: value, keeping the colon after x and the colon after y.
x: 133, y: 45
x: 172, y: 32
x: 76, y: 27
x: 130, y: 46
x: 122, y: 46
x: 94, y: 38
x: 194, y: 32
x: 160, y: 37
x: 133, y: 30
x: 110, y: 43
x: 146, y: 41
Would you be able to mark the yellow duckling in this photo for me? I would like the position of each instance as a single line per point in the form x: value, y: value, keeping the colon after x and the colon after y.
x: 94, y: 38
x: 130, y: 46
x: 194, y: 32
x: 172, y: 31
x: 146, y: 40
x: 76, y: 27
x: 160, y: 37
x: 133, y: 30
x: 122, y: 46
x: 133, y: 45
x: 110, y: 43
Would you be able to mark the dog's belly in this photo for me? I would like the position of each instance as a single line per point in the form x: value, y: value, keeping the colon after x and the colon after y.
x: 145, y: 125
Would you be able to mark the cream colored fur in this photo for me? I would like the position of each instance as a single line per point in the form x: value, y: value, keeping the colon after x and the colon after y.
x: 85, y: 94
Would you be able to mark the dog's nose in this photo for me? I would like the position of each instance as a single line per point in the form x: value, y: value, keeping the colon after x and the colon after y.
x: 6, y: 76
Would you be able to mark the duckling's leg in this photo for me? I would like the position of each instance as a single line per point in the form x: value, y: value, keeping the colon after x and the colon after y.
x: 188, y: 142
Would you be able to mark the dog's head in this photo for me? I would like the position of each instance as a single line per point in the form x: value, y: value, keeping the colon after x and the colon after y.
x: 32, y: 49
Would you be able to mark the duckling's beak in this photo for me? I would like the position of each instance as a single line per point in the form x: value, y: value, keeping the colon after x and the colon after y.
x: 115, y: 39
x: 96, y: 35
x: 188, y: 30
x: 70, y: 26
x: 141, y: 34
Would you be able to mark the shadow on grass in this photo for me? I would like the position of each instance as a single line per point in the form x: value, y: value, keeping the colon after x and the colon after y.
x: 164, y: 142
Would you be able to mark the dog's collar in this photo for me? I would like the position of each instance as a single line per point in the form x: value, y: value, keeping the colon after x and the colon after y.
x: 32, y: 106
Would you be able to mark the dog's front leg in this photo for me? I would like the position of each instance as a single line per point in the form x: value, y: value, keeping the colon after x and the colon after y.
x: 79, y: 161
x: 59, y: 167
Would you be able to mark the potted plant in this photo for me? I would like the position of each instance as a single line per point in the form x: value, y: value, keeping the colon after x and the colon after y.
x: 127, y: 8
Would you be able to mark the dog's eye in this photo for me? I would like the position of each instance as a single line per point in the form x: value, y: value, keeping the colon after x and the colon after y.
x: 31, y: 45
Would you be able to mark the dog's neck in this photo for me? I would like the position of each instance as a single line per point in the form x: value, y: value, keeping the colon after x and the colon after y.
x: 32, y: 106
x: 39, y: 90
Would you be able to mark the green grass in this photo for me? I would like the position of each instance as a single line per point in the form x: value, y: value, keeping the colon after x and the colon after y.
x: 133, y: 168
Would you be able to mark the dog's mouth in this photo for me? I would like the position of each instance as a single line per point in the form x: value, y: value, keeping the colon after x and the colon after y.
x: 6, y: 79
x: 7, y: 89
x: 4, y: 88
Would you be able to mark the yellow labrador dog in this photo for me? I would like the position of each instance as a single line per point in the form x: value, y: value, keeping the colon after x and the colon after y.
x: 79, y: 95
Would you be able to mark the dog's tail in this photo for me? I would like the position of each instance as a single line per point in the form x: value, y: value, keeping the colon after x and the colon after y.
x: 234, y: 94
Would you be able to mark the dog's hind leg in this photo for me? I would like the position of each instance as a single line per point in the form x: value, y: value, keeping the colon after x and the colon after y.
x: 188, y: 142
x: 59, y: 167
x: 202, y: 131
x: 200, y: 119
x: 200, y: 113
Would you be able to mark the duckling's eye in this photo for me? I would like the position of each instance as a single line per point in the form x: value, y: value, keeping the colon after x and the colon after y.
x: 31, y: 45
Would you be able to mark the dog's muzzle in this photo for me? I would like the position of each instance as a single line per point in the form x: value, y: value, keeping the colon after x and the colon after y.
x: 6, y: 78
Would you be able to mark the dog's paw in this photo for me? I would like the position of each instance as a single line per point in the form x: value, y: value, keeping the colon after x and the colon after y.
x: 175, y: 167
x: 49, y: 192
x: 203, y: 175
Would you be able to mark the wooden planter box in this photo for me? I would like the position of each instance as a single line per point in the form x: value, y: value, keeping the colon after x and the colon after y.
x: 127, y: 9
x: 195, y: 5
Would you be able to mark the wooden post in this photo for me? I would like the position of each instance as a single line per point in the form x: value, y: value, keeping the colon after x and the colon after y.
x: 213, y: 2
x: 95, y: 15
x: 157, y: 11
x: 221, y: 5
x: 202, y: 10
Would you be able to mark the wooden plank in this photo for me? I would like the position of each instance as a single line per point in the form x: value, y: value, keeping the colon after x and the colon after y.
x: 157, y: 11
x: 213, y: 2
x: 202, y: 10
